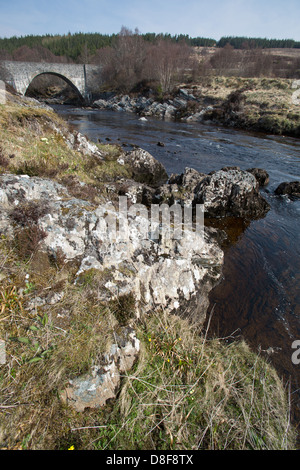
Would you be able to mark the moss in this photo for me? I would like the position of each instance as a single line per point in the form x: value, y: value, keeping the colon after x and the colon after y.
x: 87, y: 278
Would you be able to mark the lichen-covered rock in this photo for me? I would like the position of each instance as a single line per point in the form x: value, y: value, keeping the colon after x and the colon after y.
x: 137, y: 193
x: 189, y: 179
x: 231, y: 192
x: 145, y: 168
x: 137, y: 260
x: 180, y: 188
x: 79, y: 142
x: 224, y: 193
x: 158, y: 269
x: 94, y: 389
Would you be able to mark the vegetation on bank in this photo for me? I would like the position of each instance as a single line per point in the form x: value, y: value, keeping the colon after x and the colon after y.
x: 185, y: 392
x: 257, y: 104
x: 36, y: 141
x: 188, y: 392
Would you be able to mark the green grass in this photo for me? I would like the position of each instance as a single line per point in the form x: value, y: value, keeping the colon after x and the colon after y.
x: 185, y: 392
x: 46, y: 346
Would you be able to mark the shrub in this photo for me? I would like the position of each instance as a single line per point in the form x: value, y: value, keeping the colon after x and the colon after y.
x: 29, y: 212
x: 27, y: 240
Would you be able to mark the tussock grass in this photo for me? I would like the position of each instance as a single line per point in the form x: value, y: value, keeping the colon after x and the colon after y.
x: 47, y: 343
x: 266, y: 103
x: 36, y: 141
x: 186, y: 391
x: 189, y: 392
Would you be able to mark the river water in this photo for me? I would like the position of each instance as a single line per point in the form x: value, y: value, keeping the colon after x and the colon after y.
x: 259, y: 296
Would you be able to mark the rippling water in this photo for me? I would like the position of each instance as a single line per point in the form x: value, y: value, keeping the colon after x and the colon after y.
x: 259, y: 297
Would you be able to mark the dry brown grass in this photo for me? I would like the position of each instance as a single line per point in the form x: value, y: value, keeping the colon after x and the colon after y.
x: 191, y: 393
x: 46, y: 344
x: 35, y: 141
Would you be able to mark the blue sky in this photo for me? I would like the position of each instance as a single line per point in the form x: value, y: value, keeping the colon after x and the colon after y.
x: 208, y: 18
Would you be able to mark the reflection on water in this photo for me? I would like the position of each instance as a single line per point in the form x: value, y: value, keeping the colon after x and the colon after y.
x: 259, y: 296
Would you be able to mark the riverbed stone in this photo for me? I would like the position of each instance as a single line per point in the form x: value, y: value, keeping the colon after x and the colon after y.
x: 291, y: 188
x: 261, y: 175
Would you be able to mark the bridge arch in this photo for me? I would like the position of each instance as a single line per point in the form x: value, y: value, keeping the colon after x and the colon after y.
x: 78, y: 76
x: 56, y: 74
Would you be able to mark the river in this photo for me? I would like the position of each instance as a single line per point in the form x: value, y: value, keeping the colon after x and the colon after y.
x: 259, y: 296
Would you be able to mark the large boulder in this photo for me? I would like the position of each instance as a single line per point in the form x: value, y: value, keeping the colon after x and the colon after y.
x: 144, y: 167
x: 157, y: 268
x: 151, y: 267
x: 180, y: 188
x: 231, y: 192
x: 189, y: 179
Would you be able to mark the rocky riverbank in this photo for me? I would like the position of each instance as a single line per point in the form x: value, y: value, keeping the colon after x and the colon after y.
x: 100, y: 314
x: 264, y: 105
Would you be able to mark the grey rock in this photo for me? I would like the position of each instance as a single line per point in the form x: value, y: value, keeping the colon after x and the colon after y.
x: 147, y: 106
x: 180, y: 102
x: 180, y: 188
x: 190, y: 178
x: 77, y: 141
x: 162, y: 272
x: 96, y: 388
x: 231, y: 193
x: 137, y: 193
x: 145, y: 168
x: 186, y: 94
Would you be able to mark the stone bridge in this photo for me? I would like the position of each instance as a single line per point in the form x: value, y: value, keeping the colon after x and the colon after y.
x: 79, y: 76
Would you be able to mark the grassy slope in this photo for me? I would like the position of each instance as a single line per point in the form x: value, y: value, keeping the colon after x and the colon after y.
x: 185, y: 392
